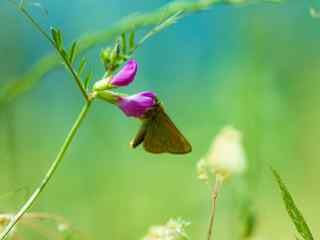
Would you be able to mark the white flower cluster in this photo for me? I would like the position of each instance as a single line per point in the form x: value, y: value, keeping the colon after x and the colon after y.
x: 174, y: 229
x: 226, y: 156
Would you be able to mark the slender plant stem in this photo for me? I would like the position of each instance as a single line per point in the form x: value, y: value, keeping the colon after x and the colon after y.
x: 75, y: 76
x: 50, y: 172
x: 214, y: 195
x: 158, y: 28
x: 47, y: 36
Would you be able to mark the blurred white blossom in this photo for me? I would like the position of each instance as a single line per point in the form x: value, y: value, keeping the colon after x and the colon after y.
x: 202, y: 170
x: 4, y: 221
x: 226, y: 155
x: 174, y: 229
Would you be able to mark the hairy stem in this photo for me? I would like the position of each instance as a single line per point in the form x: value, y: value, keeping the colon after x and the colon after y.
x: 214, y: 195
x: 50, y: 172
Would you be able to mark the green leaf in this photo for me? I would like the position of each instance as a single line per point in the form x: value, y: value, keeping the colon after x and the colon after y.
x: 250, y: 223
x: 294, y: 213
x: 132, y: 43
x: 118, y: 49
x: 20, y: 5
x: 115, y: 53
x: 57, y: 37
x: 82, y: 65
x: 124, y: 43
x: 87, y: 80
x: 64, y: 54
x: 72, y: 52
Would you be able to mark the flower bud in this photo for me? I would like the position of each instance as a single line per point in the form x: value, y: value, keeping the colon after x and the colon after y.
x: 123, y: 78
x: 226, y: 156
x: 137, y: 105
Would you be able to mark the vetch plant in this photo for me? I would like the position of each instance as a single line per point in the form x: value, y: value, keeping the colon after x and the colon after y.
x: 160, y: 18
x: 157, y: 133
x: 139, y: 105
x: 123, y: 78
x: 225, y: 158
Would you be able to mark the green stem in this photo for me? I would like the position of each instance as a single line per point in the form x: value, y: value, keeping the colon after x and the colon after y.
x: 50, y: 172
x: 75, y: 75
x: 68, y: 64
x: 214, y: 195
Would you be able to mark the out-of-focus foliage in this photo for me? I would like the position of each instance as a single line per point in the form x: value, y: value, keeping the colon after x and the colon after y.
x: 294, y: 213
x: 131, y: 23
x: 255, y: 67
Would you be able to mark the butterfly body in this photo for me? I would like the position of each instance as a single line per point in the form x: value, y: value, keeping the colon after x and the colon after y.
x: 159, y: 134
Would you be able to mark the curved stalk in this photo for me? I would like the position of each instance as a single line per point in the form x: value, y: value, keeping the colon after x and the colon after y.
x: 50, y: 172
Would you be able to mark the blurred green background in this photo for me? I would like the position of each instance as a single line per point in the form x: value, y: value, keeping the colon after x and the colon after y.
x: 255, y: 67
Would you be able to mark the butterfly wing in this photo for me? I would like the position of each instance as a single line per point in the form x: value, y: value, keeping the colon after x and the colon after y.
x: 163, y: 136
x: 138, y: 139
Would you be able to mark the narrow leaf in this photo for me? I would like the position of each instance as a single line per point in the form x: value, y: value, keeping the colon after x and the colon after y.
x: 60, y: 39
x: 118, y: 48
x: 21, y: 4
x: 56, y: 36
x: 72, y: 52
x: 124, y: 43
x: 115, y: 53
x: 82, y: 65
x: 163, y: 25
x: 132, y: 41
x: 87, y: 80
x: 294, y: 213
x: 64, y: 54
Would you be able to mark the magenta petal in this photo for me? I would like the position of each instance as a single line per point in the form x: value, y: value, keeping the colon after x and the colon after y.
x: 126, y: 75
x: 137, y: 105
x: 148, y: 94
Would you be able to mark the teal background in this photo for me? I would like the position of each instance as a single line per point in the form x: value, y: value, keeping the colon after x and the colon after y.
x: 255, y: 67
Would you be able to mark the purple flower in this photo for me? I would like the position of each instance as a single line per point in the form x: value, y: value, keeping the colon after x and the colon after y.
x: 126, y: 75
x: 136, y: 105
